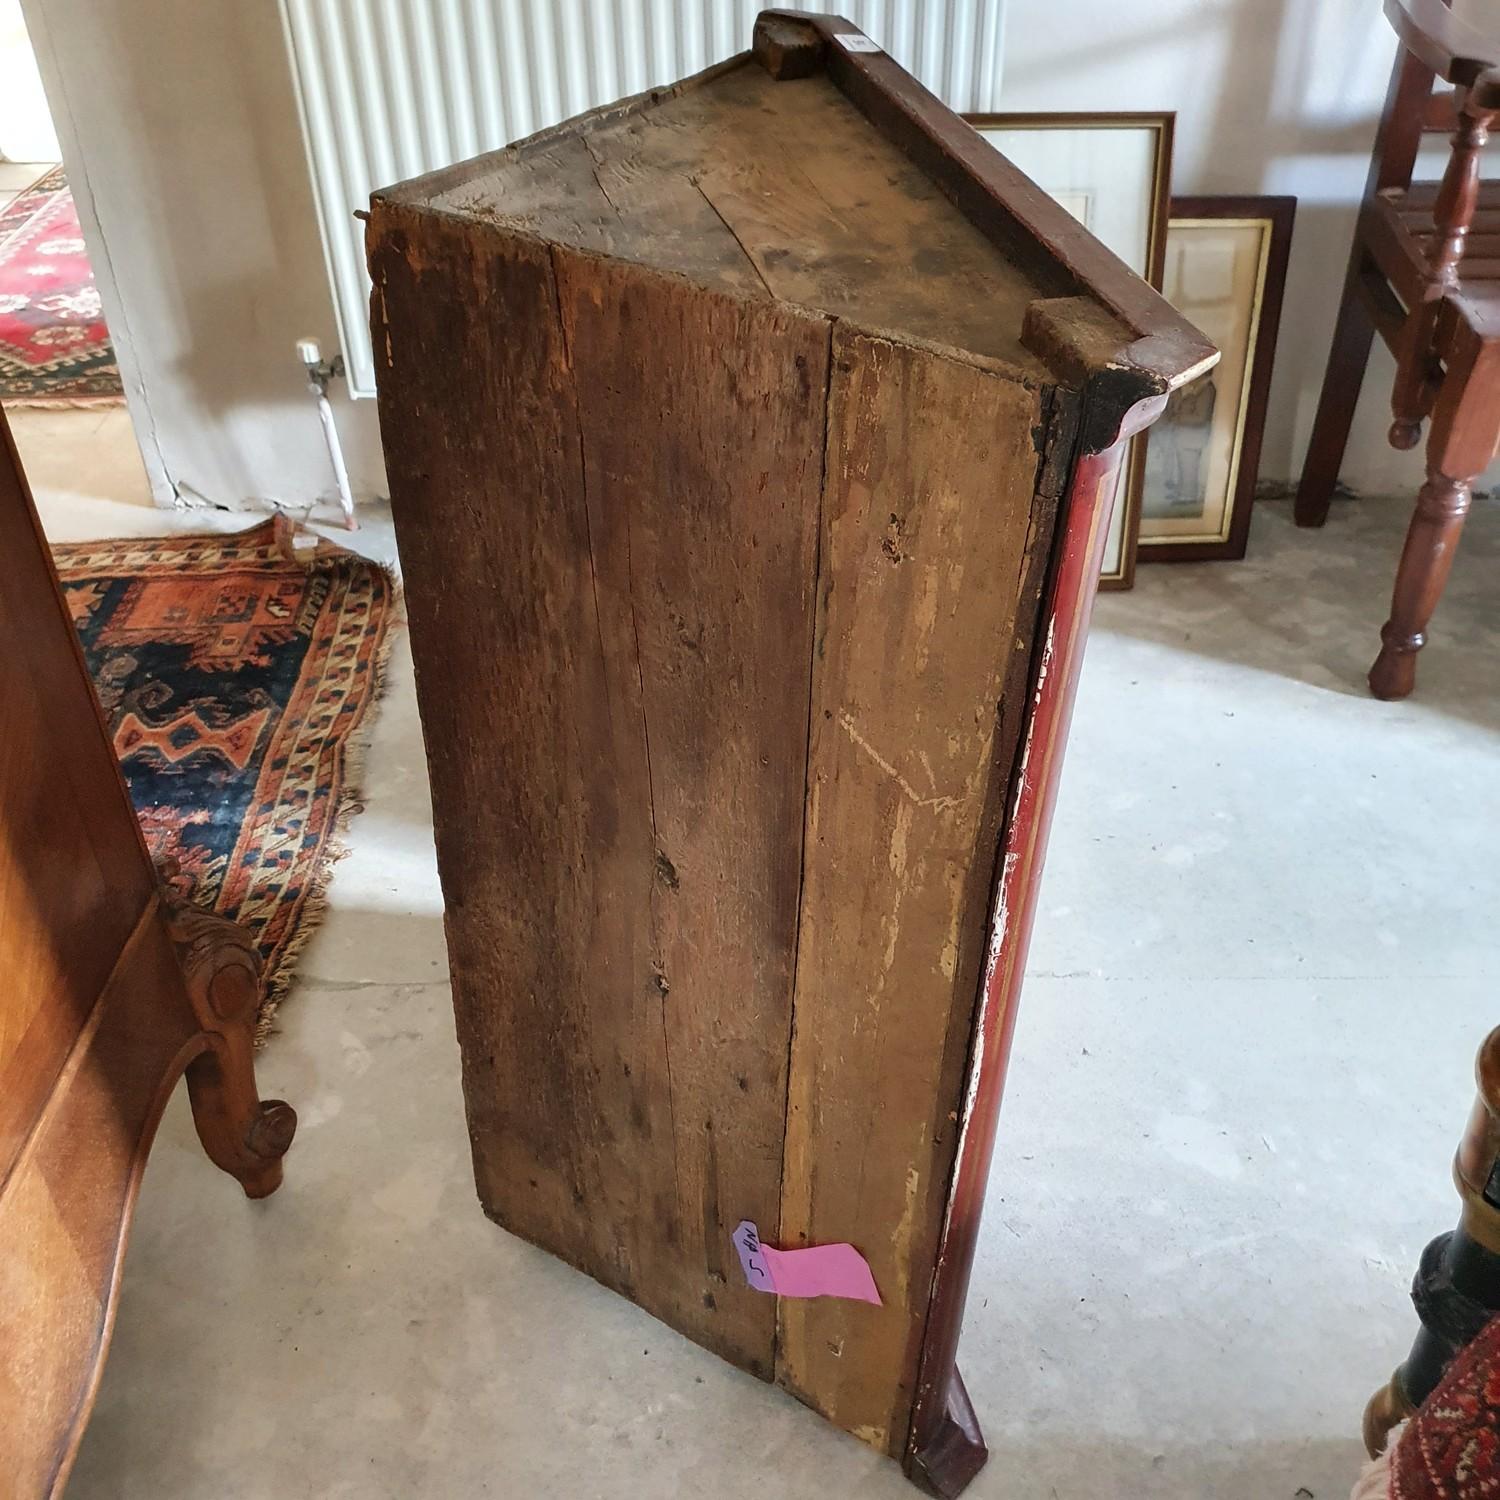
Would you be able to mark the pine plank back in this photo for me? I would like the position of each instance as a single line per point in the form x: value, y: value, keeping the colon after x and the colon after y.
x: 746, y: 444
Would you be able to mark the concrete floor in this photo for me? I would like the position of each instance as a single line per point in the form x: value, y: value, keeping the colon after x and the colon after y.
x: 1266, y: 952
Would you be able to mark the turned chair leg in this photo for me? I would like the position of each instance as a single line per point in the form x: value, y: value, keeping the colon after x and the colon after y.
x: 1465, y: 428
x: 1418, y: 378
x: 1426, y: 559
x: 242, y: 1134
x: 1350, y: 353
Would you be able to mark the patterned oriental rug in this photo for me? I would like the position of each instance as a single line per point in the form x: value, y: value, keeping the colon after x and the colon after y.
x: 235, y: 676
x: 54, y: 347
x: 1451, y: 1449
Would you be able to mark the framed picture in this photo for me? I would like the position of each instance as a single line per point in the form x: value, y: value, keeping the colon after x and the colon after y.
x: 1113, y: 173
x: 1225, y: 270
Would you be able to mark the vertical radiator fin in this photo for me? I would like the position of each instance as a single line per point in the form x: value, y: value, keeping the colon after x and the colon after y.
x: 389, y: 89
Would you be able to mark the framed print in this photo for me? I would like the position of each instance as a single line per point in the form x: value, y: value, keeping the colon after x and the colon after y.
x: 1225, y: 270
x: 1113, y: 173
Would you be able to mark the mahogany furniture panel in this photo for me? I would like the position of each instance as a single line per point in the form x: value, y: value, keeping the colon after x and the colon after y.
x: 932, y: 536
x: 747, y: 443
x: 109, y: 996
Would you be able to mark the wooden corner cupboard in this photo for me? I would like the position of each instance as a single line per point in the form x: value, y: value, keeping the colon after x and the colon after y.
x: 110, y: 994
x: 749, y: 443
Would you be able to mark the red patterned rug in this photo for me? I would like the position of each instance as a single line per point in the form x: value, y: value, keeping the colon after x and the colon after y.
x: 1451, y: 1449
x: 235, y: 675
x: 54, y: 347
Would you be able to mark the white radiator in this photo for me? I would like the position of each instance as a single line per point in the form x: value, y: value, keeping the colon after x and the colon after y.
x: 389, y: 89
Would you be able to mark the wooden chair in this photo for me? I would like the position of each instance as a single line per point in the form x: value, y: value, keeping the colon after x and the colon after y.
x: 1424, y: 273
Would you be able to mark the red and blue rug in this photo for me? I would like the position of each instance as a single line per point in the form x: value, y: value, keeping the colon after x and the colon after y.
x: 235, y: 675
x: 54, y: 346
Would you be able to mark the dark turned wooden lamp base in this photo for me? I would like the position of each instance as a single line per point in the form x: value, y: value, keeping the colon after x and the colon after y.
x: 1457, y: 1286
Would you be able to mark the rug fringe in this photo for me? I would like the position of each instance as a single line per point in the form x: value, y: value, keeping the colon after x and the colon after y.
x: 62, y: 403
x: 351, y: 769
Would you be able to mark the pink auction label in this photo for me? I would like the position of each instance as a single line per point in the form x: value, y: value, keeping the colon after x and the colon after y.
x: 818, y: 1271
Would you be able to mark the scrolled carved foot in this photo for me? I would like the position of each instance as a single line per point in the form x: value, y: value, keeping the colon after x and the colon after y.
x: 1388, y: 1408
x: 267, y: 1141
x: 272, y: 1130
x: 243, y: 1134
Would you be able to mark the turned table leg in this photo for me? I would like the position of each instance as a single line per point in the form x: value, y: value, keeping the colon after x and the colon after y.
x: 243, y: 1134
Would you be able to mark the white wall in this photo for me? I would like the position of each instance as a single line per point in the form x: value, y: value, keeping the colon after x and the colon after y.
x: 26, y: 132
x: 179, y: 125
x: 180, y: 132
x: 1272, y: 96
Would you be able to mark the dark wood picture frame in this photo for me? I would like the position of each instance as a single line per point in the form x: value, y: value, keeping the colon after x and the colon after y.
x: 1278, y: 214
x: 1163, y: 122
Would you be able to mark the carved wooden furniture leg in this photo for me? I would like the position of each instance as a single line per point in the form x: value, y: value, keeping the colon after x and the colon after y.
x: 1440, y: 329
x: 1425, y: 562
x: 243, y: 1134
x: 956, y: 1452
x: 1419, y: 372
x: 1457, y: 1286
x: 1391, y: 162
x: 1418, y: 379
x: 1463, y: 441
x: 1352, y: 337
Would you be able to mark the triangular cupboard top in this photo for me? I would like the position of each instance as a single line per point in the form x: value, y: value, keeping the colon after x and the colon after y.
x: 815, y: 171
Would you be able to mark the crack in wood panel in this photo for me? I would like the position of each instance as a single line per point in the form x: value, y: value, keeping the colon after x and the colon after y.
x: 926, y: 541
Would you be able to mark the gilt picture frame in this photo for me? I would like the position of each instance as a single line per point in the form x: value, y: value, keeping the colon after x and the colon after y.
x: 1113, y: 173
x: 1225, y: 269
